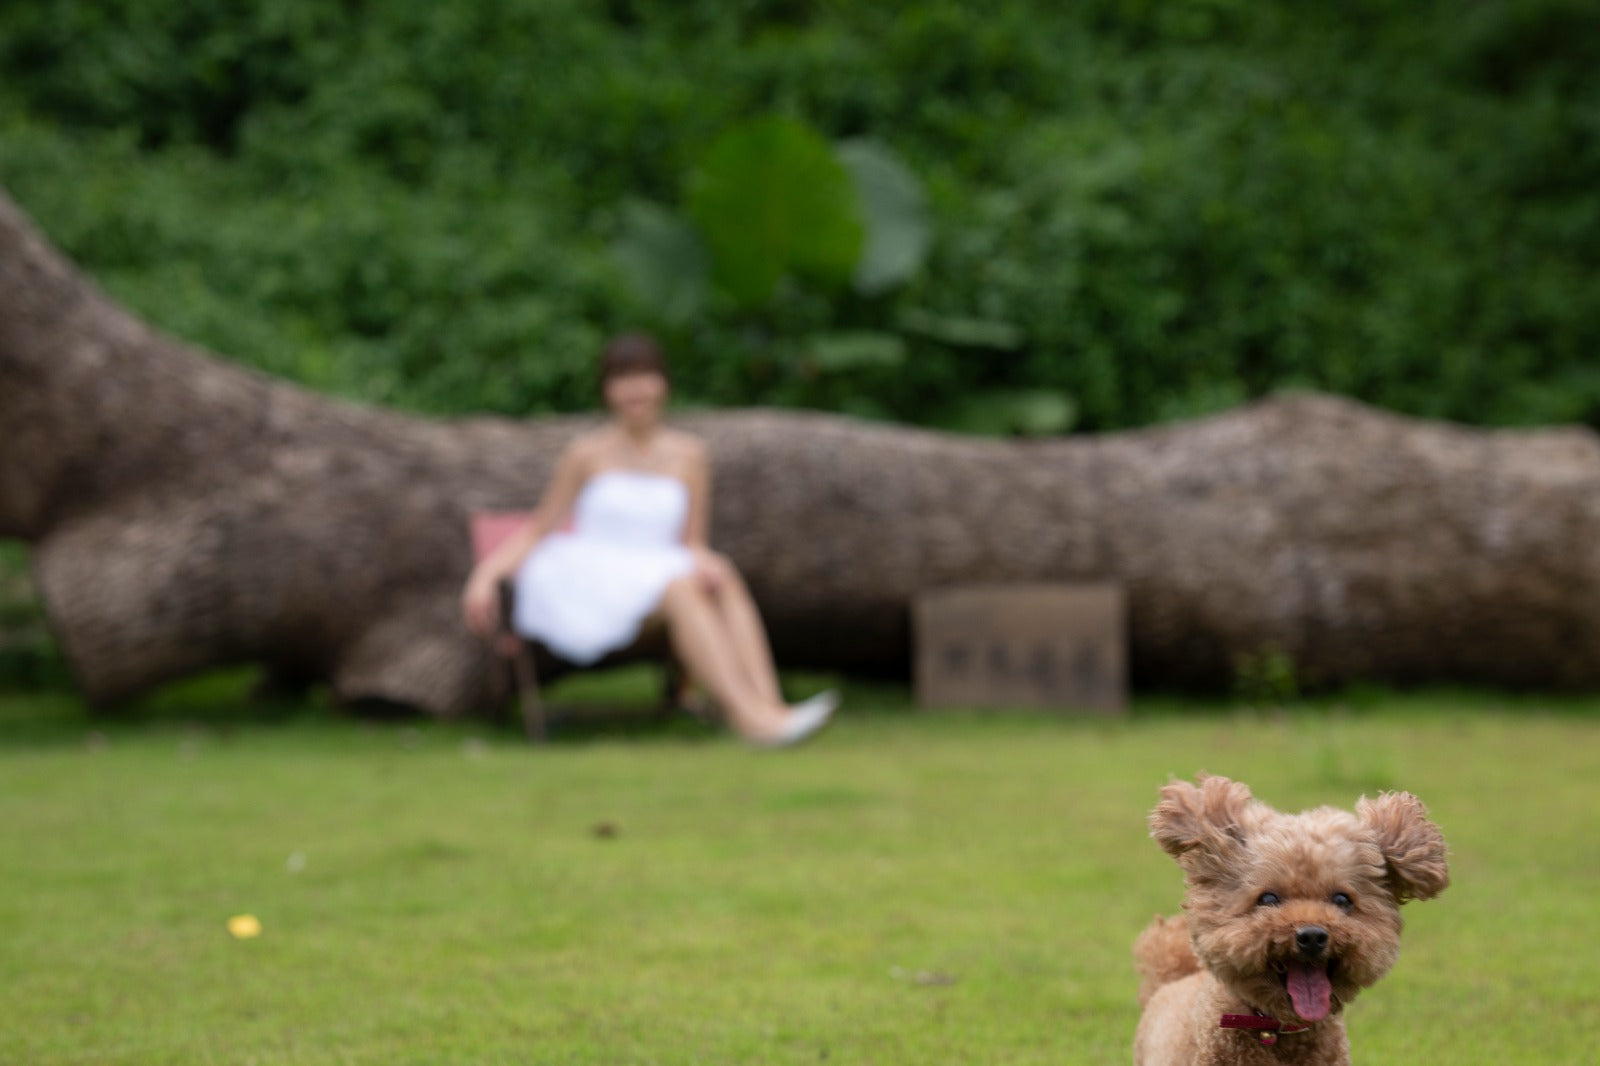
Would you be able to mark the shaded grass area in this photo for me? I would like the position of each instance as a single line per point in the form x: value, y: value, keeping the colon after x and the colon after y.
x: 912, y: 888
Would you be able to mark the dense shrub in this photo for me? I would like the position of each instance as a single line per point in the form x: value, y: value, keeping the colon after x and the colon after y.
x: 1141, y: 209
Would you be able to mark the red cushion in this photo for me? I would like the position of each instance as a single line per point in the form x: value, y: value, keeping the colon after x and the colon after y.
x: 490, y: 528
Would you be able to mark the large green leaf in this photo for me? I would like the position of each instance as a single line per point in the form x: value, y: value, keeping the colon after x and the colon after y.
x: 770, y: 199
x: 662, y: 257
x: 895, y: 211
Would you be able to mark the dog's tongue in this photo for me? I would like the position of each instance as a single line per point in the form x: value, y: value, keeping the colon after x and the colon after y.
x: 1310, y: 991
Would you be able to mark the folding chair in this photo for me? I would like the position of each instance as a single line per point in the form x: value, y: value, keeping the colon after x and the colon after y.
x: 489, y: 529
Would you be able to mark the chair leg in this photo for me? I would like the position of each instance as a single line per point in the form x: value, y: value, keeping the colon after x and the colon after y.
x: 525, y: 676
x: 528, y: 693
x: 680, y: 692
x: 673, y: 681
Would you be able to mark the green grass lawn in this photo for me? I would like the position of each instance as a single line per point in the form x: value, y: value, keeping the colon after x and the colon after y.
x: 911, y: 888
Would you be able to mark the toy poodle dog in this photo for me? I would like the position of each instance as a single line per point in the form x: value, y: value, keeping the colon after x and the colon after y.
x: 1287, y: 917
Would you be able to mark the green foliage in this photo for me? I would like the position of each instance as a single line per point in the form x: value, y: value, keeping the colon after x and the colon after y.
x: 1015, y: 412
x: 28, y: 658
x: 664, y: 261
x: 772, y: 200
x: 895, y: 212
x: 1144, y: 210
x: 778, y: 223
x: 1266, y: 678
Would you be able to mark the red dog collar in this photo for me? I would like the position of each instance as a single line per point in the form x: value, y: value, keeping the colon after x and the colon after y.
x: 1265, y: 1026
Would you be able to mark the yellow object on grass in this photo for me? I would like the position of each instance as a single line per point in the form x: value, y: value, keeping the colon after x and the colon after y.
x: 244, y: 926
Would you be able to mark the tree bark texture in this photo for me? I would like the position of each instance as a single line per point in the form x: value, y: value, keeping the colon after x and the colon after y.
x: 187, y: 513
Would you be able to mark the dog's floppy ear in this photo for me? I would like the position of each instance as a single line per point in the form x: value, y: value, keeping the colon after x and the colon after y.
x: 1202, y: 826
x: 1413, y: 847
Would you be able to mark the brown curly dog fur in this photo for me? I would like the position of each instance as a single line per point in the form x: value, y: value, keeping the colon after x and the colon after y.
x: 1287, y: 918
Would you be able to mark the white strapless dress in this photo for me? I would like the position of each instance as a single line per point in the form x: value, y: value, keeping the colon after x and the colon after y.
x: 584, y: 592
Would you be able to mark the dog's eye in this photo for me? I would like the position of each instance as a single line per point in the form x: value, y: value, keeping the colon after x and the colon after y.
x: 1268, y: 899
x: 1342, y: 901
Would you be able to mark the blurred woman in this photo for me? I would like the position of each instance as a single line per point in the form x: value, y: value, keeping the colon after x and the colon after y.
x: 620, y: 535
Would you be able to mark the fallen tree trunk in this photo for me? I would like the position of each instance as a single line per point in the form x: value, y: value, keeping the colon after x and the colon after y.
x: 187, y: 513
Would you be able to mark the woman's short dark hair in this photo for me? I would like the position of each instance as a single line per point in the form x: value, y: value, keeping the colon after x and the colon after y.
x: 631, y: 353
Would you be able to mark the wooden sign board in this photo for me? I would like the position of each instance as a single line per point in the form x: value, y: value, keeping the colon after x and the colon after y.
x: 1034, y: 645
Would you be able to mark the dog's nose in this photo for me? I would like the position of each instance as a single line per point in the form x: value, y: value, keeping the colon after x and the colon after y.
x: 1311, y: 940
